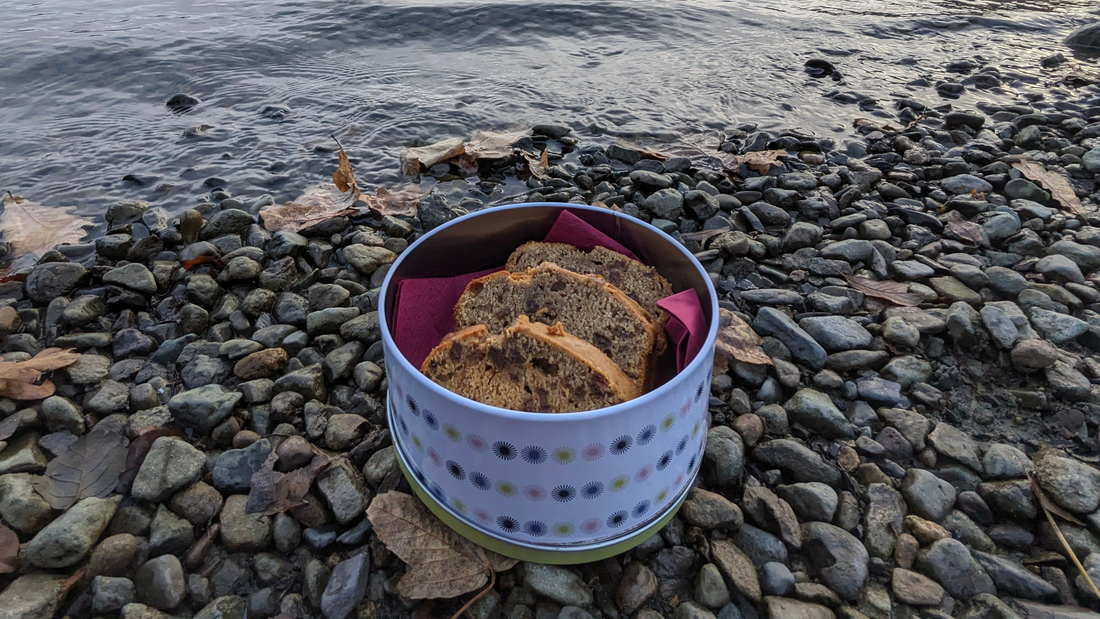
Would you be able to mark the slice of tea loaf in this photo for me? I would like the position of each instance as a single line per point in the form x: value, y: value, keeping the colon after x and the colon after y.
x: 528, y: 367
x: 586, y: 305
x: 640, y: 282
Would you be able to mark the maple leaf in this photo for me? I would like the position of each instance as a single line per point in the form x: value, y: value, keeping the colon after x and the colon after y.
x: 31, y: 227
x: 442, y: 563
x: 18, y: 378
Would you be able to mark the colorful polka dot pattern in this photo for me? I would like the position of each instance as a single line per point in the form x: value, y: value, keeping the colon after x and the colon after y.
x: 681, y: 460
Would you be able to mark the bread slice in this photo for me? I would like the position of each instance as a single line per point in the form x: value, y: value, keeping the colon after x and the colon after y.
x: 586, y: 305
x: 529, y: 367
x: 640, y: 282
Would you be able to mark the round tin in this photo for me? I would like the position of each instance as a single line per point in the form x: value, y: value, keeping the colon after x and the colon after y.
x: 551, y: 488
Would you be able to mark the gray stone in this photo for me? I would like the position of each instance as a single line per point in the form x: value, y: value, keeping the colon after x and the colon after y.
x: 810, y: 500
x: 898, y: 331
x: 710, y: 510
x: 737, y: 567
x: 171, y: 465
x: 233, y: 468
x: 135, y: 276
x: 54, y: 279
x: 760, y: 546
x: 110, y: 594
x: 160, y: 582
x: 815, y: 411
x: 346, y: 586
x: 796, y: 460
x: 949, y: 563
x: 1001, y: 328
x: 636, y: 586
x: 1069, y: 482
x: 241, y: 531
x: 1059, y: 269
x: 665, y: 203
x: 772, y: 322
x: 1067, y: 383
x: 33, y: 596
x: 557, y: 583
x: 884, y: 520
x: 725, y: 449
x: 22, y: 455
x: 169, y: 534
x: 907, y: 370
x: 68, y: 540
x: 1087, y: 257
x: 21, y: 507
x: 916, y: 589
x: 225, y: 607
x: 776, y: 579
x: 1034, y: 354
x: 204, y: 407
x: 836, y: 333
x: 786, y: 608
x: 928, y: 496
x: 965, y: 184
x: 710, y: 589
x: 1058, y: 328
x: 1005, y: 462
x: 1012, y: 578
x: 953, y: 443
x: 343, y: 488
x: 838, y: 558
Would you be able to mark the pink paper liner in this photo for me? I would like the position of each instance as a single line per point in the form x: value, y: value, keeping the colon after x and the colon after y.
x: 424, y: 307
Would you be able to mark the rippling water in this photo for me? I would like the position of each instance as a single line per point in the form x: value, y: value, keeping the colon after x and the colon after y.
x: 83, y: 83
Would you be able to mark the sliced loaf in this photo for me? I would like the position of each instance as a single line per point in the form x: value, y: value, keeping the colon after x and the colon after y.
x: 586, y: 305
x: 528, y: 367
x: 640, y: 282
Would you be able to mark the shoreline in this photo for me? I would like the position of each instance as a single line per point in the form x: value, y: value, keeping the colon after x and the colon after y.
x: 879, y: 467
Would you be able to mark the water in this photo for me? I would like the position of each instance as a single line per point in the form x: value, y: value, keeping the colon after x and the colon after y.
x: 83, y: 83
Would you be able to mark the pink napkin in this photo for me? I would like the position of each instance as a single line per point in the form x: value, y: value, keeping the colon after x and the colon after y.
x: 424, y: 307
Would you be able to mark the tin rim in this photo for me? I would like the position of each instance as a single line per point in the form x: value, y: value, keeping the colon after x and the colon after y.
x: 393, y: 353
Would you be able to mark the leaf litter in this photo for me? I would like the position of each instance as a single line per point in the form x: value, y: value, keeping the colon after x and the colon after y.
x: 90, y: 467
x: 33, y: 228
x: 894, y: 292
x: 737, y: 341
x: 9, y: 550
x: 1055, y: 183
x: 442, y: 564
x: 273, y: 492
x: 18, y: 379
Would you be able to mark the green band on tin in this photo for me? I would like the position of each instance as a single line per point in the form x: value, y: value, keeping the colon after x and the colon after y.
x: 552, y: 557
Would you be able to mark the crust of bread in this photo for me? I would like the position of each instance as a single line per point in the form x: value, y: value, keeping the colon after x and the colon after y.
x: 586, y: 305
x: 529, y: 366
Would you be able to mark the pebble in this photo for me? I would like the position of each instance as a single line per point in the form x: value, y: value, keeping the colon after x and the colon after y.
x: 558, y: 584
x: 160, y: 582
x: 170, y: 465
x: 67, y: 540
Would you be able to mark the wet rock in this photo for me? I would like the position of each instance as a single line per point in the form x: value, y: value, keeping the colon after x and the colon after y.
x: 916, y: 589
x: 836, y: 333
x: 21, y: 507
x: 950, y: 564
x: 816, y: 411
x: 160, y: 582
x: 1068, y: 482
x: 1013, y: 578
x: 170, y: 465
x: 927, y: 495
x: 557, y: 583
x: 68, y: 540
x: 243, y: 532
x: 711, y: 511
x: 204, y: 407
x: 55, y: 279
x: 838, y: 558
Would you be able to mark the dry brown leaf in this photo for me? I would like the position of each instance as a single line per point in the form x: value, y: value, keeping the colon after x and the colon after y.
x: 344, y: 177
x: 762, y: 160
x: 894, y: 292
x: 862, y: 123
x: 402, y: 201
x: 538, y: 167
x: 18, y: 378
x: 737, y: 340
x: 967, y: 231
x: 1055, y: 183
x: 413, y: 158
x: 486, y: 145
x: 89, y: 467
x: 9, y: 550
x: 442, y: 563
x: 273, y: 492
x: 702, y: 150
x: 31, y: 227
x: 317, y: 204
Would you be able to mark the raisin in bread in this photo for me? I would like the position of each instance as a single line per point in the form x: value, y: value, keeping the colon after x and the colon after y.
x: 586, y: 305
x: 528, y: 367
x: 640, y: 282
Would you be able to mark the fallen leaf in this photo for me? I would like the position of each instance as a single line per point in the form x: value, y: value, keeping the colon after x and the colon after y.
x: 703, y: 236
x: 191, y: 263
x: 399, y: 202
x: 703, y: 151
x: 486, y: 145
x: 139, y: 448
x: 538, y: 167
x: 317, y: 204
x: 18, y: 378
x: 31, y: 227
x: 273, y: 492
x: 343, y: 177
x: 71, y: 582
x: 1055, y: 183
x: 413, y: 158
x: 894, y: 292
x: 9, y: 550
x: 442, y: 563
x: 737, y: 340
x: 762, y: 160
x: 195, y: 556
x: 967, y: 231
x: 89, y: 467
x: 874, y: 125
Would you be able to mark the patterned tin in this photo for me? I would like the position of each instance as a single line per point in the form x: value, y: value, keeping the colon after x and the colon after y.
x: 557, y: 488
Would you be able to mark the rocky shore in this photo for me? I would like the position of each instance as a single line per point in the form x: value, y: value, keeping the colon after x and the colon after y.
x: 880, y: 468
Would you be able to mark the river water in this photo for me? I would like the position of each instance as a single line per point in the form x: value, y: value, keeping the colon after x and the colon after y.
x: 83, y: 83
